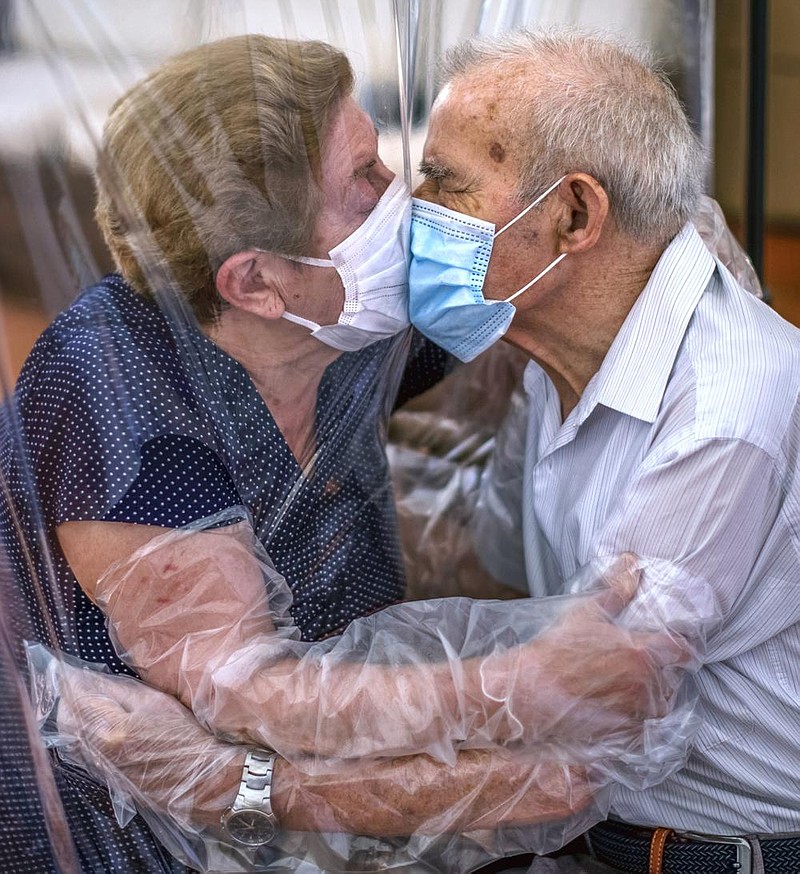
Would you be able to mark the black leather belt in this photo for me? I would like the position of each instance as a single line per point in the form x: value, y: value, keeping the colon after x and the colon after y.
x: 627, y: 848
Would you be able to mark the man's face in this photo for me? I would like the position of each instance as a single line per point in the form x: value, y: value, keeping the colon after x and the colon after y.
x: 470, y: 165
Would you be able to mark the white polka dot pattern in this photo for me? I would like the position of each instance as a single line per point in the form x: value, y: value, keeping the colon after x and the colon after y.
x: 117, y: 427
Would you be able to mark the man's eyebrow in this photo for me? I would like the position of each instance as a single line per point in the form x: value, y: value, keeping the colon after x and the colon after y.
x: 432, y: 170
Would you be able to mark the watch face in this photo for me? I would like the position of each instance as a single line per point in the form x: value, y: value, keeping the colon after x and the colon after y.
x: 250, y: 827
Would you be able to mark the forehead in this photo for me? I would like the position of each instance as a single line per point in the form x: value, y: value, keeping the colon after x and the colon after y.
x: 351, y: 141
x: 470, y: 129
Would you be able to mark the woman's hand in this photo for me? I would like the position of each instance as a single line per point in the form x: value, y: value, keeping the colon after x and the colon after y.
x: 587, y: 678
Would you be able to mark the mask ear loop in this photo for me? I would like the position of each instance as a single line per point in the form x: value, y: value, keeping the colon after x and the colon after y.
x: 524, y: 212
x: 314, y: 262
x: 530, y: 206
x: 299, y: 320
x: 299, y: 259
x: 535, y: 279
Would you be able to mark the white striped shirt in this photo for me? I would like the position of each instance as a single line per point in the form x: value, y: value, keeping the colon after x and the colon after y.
x: 685, y: 446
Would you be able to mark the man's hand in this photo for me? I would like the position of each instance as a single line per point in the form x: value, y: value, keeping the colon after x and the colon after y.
x: 587, y: 678
x: 147, y: 745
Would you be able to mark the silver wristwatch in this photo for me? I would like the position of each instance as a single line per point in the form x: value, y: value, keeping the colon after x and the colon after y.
x: 250, y: 820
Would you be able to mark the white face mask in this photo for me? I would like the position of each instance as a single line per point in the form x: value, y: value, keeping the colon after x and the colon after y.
x: 373, y: 266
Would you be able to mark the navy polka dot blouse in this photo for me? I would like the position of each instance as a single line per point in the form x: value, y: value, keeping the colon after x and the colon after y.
x: 126, y: 417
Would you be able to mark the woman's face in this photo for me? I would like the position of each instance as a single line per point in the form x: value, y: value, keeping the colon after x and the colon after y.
x: 353, y: 177
x: 353, y: 180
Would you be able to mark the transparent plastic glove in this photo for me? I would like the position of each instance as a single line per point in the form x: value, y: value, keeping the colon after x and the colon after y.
x: 426, y: 677
x: 188, y: 598
x: 151, y: 753
x: 128, y: 735
x: 416, y: 795
x: 624, y: 681
x: 147, y: 749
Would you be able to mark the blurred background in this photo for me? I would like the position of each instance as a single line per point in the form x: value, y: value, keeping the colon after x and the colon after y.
x: 63, y: 62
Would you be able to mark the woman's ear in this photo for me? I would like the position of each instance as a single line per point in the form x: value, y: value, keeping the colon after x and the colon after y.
x: 251, y: 281
x: 587, y: 204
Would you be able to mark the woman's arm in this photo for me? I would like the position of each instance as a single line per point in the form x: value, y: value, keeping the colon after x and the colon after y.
x: 416, y: 795
x: 191, y: 612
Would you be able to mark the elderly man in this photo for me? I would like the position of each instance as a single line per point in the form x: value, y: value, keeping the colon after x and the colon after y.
x: 662, y: 412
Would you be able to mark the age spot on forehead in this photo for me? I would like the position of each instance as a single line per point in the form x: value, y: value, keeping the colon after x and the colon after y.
x: 497, y: 153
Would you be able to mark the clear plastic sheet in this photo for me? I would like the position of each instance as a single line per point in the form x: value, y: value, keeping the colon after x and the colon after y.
x: 124, y: 380
x: 710, y: 223
x: 135, y: 414
x: 452, y: 707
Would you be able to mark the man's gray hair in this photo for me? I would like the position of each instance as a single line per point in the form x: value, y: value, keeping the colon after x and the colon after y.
x: 586, y: 102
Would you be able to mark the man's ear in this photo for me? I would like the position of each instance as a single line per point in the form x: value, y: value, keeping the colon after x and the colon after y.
x: 252, y: 281
x: 587, y: 204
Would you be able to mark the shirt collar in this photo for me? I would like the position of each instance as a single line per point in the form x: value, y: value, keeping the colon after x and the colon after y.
x: 633, y: 376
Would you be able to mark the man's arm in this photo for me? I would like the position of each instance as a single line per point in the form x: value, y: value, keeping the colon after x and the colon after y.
x: 146, y: 743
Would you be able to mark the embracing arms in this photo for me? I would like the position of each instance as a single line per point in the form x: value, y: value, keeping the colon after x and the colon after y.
x: 147, y: 744
x: 191, y: 612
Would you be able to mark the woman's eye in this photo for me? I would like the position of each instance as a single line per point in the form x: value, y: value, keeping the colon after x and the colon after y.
x: 365, y: 171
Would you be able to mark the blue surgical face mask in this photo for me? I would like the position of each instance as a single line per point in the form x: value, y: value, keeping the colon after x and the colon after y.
x: 450, y: 254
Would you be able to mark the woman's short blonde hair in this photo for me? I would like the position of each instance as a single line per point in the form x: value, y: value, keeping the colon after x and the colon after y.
x: 216, y: 152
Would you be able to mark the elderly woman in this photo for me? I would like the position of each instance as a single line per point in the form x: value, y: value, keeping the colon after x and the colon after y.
x: 235, y: 376
x: 190, y: 382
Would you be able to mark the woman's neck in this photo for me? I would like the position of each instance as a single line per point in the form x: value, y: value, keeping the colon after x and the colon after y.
x: 286, y: 365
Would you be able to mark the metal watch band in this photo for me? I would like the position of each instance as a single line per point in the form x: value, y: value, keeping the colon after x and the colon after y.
x: 250, y: 821
x: 255, y: 790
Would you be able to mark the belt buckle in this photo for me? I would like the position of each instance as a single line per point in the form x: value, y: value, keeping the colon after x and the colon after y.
x: 744, y: 852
